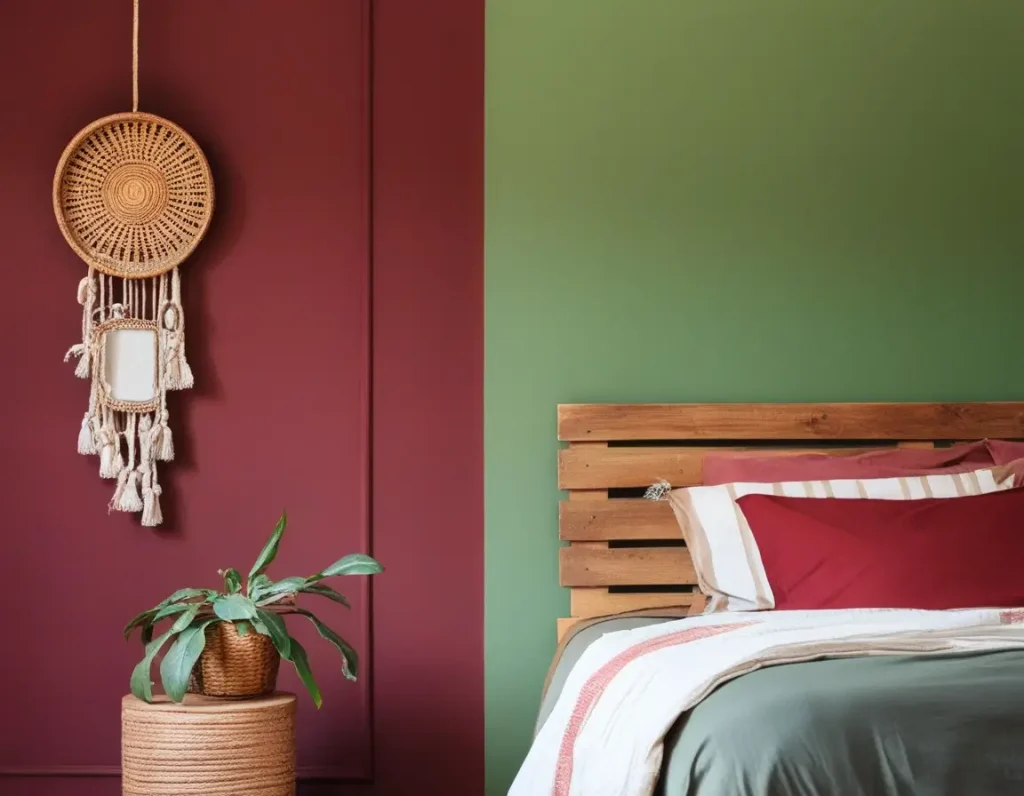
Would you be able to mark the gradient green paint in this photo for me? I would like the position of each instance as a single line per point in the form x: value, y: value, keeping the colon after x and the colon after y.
x: 698, y: 200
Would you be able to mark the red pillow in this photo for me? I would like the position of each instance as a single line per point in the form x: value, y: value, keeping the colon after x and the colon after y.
x: 726, y: 468
x: 935, y: 553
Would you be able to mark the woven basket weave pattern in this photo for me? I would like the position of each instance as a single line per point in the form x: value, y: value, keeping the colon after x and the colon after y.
x: 235, y: 666
x: 133, y: 194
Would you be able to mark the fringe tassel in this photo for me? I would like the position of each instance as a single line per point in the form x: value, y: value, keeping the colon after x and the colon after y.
x: 179, y: 373
x: 130, y: 500
x: 83, y: 369
x: 186, y: 381
x: 152, y: 516
x: 149, y: 436
x: 87, y: 298
x: 126, y: 498
x: 111, y: 463
x: 115, y: 501
x: 86, y: 442
x: 162, y: 435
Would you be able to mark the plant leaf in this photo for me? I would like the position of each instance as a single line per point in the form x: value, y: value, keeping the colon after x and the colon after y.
x: 166, y: 609
x: 272, y: 625
x: 141, y: 685
x: 281, y: 588
x: 231, y: 607
x: 325, y: 591
x: 146, y: 617
x: 172, y: 610
x: 185, y: 594
x: 232, y: 581
x: 256, y: 586
x: 242, y: 627
x: 176, y: 667
x: 352, y: 564
x: 301, y: 663
x: 349, y: 657
x: 269, y: 551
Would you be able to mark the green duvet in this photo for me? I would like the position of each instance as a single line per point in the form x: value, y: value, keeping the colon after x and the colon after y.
x: 871, y: 726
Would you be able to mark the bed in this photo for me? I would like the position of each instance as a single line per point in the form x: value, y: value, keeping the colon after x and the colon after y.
x: 932, y: 703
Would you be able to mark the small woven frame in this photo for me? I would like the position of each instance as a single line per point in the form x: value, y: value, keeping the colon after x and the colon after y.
x: 202, y: 748
x: 128, y: 323
x: 133, y: 195
x: 235, y: 666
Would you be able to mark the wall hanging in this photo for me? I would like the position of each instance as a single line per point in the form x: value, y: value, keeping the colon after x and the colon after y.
x: 133, y: 195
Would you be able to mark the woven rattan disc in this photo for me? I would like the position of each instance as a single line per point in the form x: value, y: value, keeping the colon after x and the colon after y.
x: 133, y: 195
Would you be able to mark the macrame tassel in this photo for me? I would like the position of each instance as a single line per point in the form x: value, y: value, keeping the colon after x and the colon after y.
x: 122, y: 482
x: 186, y: 380
x: 86, y: 443
x: 162, y: 435
x: 126, y: 498
x: 149, y: 434
x: 111, y: 462
x: 152, y: 516
x: 87, y: 298
x: 179, y: 373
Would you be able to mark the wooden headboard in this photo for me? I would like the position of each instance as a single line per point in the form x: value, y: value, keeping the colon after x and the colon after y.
x: 625, y: 553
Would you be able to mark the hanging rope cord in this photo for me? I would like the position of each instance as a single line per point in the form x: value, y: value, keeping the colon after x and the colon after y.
x: 135, y: 58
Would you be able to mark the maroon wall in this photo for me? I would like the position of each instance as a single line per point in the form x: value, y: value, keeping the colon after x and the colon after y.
x: 335, y: 327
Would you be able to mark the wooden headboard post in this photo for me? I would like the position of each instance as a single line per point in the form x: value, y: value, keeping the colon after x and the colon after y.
x: 624, y: 553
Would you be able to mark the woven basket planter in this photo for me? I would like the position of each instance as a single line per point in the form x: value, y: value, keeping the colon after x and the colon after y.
x: 235, y: 666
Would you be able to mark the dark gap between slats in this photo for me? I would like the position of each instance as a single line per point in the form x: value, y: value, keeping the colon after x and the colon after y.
x: 652, y: 589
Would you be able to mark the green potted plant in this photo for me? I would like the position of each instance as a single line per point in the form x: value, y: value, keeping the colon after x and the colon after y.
x: 238, y: 636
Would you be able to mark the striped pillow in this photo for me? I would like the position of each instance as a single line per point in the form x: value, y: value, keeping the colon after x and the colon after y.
x: 725, y: 555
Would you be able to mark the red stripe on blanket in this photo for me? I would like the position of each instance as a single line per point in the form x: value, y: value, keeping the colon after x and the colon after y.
x: 599, y: 680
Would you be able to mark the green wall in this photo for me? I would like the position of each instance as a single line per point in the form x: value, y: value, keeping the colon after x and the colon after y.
x: 730, y: 200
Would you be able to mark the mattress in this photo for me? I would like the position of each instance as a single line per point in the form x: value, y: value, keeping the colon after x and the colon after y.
x: 949, y: 725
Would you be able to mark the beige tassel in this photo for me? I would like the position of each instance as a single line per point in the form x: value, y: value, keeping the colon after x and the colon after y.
x: 86, y: 443
x: 151, y: 514
x: 130, y: 500
x: 111, y: 462
x: 89, y: 435
x: 179, y: 373
x: 149, y: 436
x: 115, y: 501
x: 87, y: 298
x: 162, y: 434
x: 126, y: 498
x: 186, y: 380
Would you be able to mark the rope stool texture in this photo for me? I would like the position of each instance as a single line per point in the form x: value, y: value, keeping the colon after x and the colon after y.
x: 208, y: 747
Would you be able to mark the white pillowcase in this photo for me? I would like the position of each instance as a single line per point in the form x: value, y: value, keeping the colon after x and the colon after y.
x: 724, y: 551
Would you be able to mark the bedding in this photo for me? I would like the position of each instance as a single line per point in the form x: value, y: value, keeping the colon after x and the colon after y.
x: 870, y: 726
x: 724, y: 468
x: 931, y: 553
x: 725, y: 554
x: 605, y: 732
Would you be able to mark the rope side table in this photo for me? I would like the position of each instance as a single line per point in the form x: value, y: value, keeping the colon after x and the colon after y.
x: 208, y: 747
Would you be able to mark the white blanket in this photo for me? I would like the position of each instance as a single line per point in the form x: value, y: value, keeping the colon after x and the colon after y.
x: 605, y: 734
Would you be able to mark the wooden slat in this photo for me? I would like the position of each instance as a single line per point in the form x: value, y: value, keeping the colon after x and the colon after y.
x: 838, y: 421
x: 601, y: 602
x: 620, y: 519
x: 637, y: 566
x: 589, y: 468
